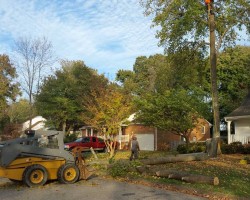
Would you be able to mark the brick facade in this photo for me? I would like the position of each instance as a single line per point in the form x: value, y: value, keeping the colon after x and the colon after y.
x: 164, y: 140
x: 201, y: 132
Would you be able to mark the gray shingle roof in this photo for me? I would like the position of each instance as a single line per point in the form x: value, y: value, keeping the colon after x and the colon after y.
x: 243, y: 110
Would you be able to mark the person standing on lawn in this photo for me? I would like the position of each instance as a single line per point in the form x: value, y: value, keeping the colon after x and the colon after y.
x: 134, y: 148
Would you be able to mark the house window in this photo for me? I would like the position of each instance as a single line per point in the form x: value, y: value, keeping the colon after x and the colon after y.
x: 194, y: 139
x: 203, y: 130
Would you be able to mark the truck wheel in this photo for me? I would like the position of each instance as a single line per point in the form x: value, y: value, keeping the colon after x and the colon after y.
x: 35, y: 175
x: 68, y: 173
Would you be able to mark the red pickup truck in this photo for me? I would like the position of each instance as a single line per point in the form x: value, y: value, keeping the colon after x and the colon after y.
x: 87, y: 142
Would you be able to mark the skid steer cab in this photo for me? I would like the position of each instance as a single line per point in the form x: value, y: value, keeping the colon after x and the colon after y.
x: 38, y: 156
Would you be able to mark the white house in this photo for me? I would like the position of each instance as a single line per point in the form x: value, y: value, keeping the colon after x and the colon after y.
x: 238, y: 123
x: 37, y: 123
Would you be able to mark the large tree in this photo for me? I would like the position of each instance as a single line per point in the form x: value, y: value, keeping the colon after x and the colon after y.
x: 184, y: 23
x: 169, y: 90
x: 18, y: 112
x: 33, y: 57
x: 234, y: 77
x: 159, y: 73
x: 8, y: 88
x: 176, y: 111
x: 62, y: 94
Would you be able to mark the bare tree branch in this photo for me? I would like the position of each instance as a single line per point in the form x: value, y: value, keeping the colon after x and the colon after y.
x: 34, y: 56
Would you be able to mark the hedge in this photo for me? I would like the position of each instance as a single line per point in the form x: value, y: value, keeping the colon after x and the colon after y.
x: 235, y: 147
x: 192, y: 148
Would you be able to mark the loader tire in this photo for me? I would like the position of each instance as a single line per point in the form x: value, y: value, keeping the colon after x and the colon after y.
x: 35, y: 175
x: 68, y: 173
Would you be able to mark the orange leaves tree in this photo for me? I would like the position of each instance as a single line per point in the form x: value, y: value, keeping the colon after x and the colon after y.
x: 106, y: 110
x: 8, y: 88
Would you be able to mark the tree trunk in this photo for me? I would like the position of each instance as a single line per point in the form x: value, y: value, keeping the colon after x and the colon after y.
x: 177, y: 175
x: 165, y: 173
x: 187, y: 141
x: 30, y: 112
x: 201, y: 179
x: 212, y: 147
x: 111, y: 153
x: 171, y: 174
x: 146, y: 169
x: 213, y: 70
x: 187, y: 177
x: 213, y: 66
x: 111, y: 145
x: 178, y: 158
x: 64, y: 127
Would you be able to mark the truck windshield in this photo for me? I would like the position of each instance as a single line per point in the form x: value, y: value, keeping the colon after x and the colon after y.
x: 79, y: 140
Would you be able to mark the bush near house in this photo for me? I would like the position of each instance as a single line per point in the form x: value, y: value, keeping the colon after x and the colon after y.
x: 192, y: 148
x: 247, y: 149
x: 122, y: 168
x: 235, y: 148
x: 11, y: 131
x: 70, y: 138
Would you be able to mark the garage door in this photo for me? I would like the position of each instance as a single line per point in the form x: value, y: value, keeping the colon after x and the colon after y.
x: 146, y: 141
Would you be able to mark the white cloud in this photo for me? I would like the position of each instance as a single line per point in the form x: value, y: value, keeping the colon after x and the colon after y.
x: 107, y: 35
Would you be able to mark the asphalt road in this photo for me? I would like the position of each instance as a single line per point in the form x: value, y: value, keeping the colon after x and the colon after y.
x: 95, y: 188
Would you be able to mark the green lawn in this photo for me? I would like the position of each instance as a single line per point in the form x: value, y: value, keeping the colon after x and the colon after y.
x: 234, y: 177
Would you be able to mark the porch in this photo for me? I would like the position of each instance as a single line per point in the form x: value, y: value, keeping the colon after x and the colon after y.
x: 238, y: 123
x: 238, y: 138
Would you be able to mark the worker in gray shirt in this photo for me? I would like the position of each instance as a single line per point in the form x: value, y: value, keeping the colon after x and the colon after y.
x: 134, y: 148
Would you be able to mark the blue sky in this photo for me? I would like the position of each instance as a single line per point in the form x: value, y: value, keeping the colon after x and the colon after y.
x: 106, y: 34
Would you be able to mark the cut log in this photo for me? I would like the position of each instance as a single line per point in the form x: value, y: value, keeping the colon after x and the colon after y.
x: 171, y: 174
x: 177, y: 176
x: 165, y: 173
x: 146, y: 169
x: 201, y: 179
x: 187, y: 177
x: 178, y: 158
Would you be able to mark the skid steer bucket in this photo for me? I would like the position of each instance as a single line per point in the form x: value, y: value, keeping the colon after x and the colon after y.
x: 85, y: 171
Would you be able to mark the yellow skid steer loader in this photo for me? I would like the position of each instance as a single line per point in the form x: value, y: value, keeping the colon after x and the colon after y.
x: 39, y: 156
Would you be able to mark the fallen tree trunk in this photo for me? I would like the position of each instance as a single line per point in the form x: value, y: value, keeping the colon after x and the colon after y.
x: 201, y: 179
x: 177, y: 158
x: 166, y: 173
x: 187, y: 177
x: 177, y: 176
x: 171, y: 174
x: 146, y: 169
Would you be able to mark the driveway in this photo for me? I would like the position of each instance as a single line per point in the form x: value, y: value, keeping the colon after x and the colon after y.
x: 95, y: 188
